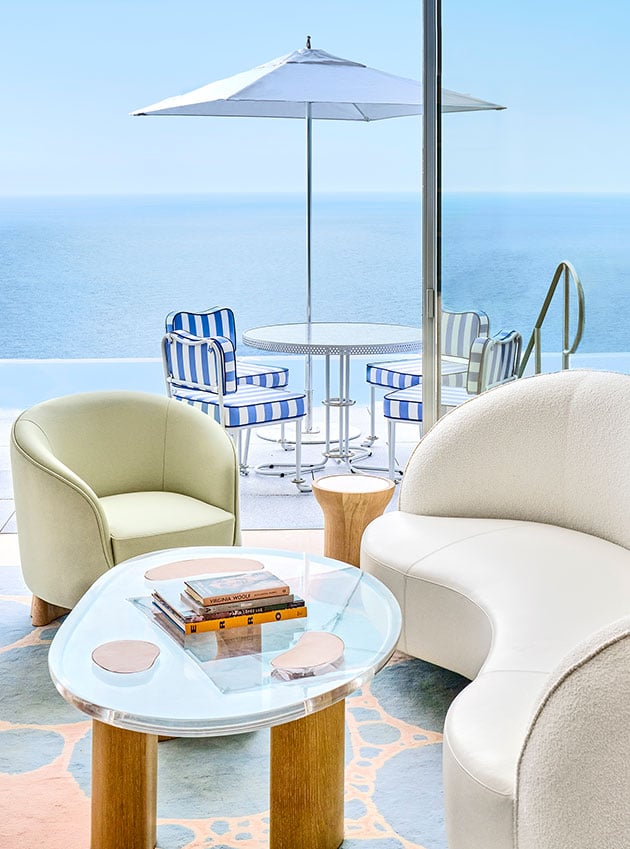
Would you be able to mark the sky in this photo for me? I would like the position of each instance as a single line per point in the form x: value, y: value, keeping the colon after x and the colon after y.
x: 73, y: 70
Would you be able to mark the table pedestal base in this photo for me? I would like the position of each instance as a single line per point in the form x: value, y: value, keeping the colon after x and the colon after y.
x: 309, y: 437
x: 124, y: 788
x: 349, y: 503
x: 307, y: 781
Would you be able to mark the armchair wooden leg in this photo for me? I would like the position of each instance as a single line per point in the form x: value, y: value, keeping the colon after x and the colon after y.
x: 43, y: 613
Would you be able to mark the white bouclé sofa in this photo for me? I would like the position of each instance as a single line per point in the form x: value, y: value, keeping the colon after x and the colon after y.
x: 510, y: 558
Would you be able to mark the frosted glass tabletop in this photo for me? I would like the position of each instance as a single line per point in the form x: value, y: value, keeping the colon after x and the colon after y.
x: 335, y: 337
x: 221, y: 682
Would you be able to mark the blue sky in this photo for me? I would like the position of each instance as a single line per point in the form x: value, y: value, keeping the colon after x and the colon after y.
x: 72, y: 70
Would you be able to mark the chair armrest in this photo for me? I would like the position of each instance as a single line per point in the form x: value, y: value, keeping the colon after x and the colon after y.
x: 63, y: 533
x: 200, y: 459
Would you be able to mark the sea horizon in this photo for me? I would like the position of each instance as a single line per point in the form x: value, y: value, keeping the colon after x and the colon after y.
x: 93, y: 276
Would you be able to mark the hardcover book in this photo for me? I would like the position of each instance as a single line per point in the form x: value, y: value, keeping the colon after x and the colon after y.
x: 190, y: 610
x: 229, y: 588
x: 184, y: 616
x: 238, y: 621
x: 189, y: 603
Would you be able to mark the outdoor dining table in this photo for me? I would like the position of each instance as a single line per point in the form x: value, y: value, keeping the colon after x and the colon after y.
x: 340, y: 339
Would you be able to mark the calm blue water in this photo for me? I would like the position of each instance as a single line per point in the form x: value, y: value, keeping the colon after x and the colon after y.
x: 95, y: 277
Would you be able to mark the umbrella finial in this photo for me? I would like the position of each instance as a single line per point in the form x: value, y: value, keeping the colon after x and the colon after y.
x: 308, y: 42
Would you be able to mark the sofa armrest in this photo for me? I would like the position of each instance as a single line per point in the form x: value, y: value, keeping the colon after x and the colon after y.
x: 573, y: 780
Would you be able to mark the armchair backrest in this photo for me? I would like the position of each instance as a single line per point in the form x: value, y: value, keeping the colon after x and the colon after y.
x: 113, y: 441
x: 217, y: 321
x: 493, y: 361
x: 193, y: 363
x: 460, y: 329
x: 553, y: 448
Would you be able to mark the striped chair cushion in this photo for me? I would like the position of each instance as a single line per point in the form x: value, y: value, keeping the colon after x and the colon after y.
x: 250, y: 405
x: 220, y: 321
x: 493, y: 361
x: 406, y: 404
x: 398, y: 375
x: 405, y: 373
x: 206, y: 364
x: 502, y: 358
x: 269, y: 377
x: 459, y: 331
x: 217, y: 321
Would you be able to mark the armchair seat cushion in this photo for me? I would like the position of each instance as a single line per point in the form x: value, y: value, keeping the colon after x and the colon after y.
x: 150, y: 521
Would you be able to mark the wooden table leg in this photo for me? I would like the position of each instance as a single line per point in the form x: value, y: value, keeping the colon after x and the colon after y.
x: 307, y: 781
x: 124, y: 788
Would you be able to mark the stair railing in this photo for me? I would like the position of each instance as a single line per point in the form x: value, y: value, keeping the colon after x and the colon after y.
x: 566, y: 271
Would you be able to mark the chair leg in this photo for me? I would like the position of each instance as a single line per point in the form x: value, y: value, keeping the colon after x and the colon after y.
x: 242, y: 451
x: 298, y: 479
x: 286, y: 446
x: 391, y: 441
x: 371, y: 439
x: 43, y: 613
x: 248, y: 433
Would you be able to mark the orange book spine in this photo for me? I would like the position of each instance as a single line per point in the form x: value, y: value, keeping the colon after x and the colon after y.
x: 240, y: 621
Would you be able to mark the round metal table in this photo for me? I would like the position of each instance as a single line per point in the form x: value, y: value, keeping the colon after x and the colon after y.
x: 340, y: 339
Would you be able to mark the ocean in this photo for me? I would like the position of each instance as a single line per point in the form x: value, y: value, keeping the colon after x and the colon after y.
x: 85, y: 277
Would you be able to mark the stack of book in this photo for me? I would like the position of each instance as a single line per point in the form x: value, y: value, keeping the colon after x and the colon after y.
x: 227, y: 601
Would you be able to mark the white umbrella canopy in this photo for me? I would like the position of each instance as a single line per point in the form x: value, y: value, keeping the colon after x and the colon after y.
x: 311, y: 84
x: 337, y: 89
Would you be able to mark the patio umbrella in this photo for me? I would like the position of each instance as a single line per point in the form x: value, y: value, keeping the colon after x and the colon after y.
x: 311, y: 84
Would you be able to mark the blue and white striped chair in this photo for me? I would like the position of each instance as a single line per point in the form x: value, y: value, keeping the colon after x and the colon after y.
x: 459, y: 330
x: 220, y: 321
x: 203, y: 373
x: 492, y: 361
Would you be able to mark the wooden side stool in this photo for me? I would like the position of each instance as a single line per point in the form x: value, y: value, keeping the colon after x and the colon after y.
x: 349, y: 503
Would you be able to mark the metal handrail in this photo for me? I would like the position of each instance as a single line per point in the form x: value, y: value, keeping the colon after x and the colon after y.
x: 565, y: 268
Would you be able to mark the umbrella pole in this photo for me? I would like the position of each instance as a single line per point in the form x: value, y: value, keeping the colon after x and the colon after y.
x: 308, y: 376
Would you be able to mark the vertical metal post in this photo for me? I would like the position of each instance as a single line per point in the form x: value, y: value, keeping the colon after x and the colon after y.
x: 308, y: 376
x: 309, y: 190
x: 327, y: 405
x: 565, y: 337
x: 431, y: 210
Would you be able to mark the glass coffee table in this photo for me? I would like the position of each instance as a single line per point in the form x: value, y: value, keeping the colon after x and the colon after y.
x: 221, y: 683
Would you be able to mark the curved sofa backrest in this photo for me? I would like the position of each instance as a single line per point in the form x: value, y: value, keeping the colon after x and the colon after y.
x: 114, y: 441
x: 554, y: 448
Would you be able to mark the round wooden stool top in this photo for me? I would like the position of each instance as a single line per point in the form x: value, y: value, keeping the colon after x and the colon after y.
x: 349, y: 503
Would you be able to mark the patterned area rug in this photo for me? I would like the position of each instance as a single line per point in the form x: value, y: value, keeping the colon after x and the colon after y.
x: 213, y: 793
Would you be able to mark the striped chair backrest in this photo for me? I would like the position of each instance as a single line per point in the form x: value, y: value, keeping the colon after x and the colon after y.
x: 217, y: 321
x: 194, y: 363
x: 459, y: 331
x: 493, y: 360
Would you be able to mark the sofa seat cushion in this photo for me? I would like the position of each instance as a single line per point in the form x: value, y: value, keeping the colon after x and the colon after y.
x: 502, y: 602
x: 531, y: 591
x: 140, y: 522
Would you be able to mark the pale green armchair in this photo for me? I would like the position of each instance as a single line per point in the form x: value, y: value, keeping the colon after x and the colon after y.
x: 99, y: 477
